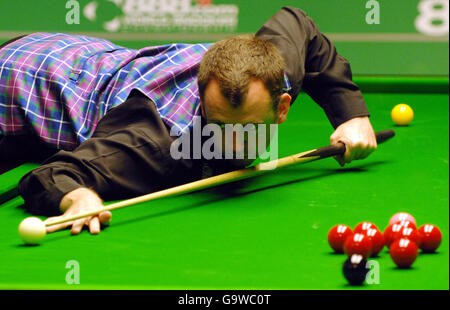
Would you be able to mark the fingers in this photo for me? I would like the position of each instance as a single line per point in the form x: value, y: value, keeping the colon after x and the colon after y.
x: 359, y: 138
x: 355, y: 148
x: 350, y: 152
x: 340, y: 160
x: 76, y: 202
x: 356, y: 151
x: 105, y: 218
x: 94, y: 225
x: 78, y: 225
x: 335, y: 139
x: 93, y: 222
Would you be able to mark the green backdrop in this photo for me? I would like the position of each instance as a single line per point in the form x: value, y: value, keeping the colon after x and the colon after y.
x: 395, y: 45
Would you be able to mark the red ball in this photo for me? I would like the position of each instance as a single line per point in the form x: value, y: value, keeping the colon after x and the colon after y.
x: 430, y: 238
x: 337, y: 236
x: 397, y: 231
x: 402, y: 216
x: 358, y: 244
x: 364, y: 226
x: 377, y: 239
x: 403, y: 252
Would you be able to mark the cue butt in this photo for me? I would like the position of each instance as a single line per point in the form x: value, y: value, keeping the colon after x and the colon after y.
x: 339, y: 148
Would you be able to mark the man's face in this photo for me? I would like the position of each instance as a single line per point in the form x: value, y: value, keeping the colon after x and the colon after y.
x: 257, y: 109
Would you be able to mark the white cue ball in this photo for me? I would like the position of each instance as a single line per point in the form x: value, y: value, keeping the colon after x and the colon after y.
x: 32, y: 230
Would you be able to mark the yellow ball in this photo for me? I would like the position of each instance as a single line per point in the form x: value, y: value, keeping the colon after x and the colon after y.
x: 402, y: 114
x: 32, y: 230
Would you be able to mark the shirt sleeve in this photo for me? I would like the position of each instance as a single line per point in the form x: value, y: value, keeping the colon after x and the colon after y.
x: 128, y: 156
x: 314, y: 66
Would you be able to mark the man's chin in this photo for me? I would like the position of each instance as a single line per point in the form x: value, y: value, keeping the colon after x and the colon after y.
x: 238, y: 163
x: 227, y: 165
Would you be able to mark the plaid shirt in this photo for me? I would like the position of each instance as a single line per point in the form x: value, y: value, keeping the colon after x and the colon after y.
x: 59, y: 85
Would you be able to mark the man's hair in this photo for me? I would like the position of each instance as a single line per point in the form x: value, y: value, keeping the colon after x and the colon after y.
x: 234, y: 62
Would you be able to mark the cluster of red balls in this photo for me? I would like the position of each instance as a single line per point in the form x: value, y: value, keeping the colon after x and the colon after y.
x: 401, y: 237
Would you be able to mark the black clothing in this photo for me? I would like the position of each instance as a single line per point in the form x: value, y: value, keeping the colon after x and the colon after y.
x: 314, y: 65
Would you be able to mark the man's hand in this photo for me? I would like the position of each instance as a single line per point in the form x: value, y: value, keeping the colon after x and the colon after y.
x: 77, y: 201
x: 359, y: 138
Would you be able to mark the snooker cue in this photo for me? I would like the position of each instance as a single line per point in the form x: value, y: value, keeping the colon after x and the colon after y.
x: 305, y: 157
x: 10, y: 193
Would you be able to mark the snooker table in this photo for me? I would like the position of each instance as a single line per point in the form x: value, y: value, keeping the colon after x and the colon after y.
x: 269, y: 232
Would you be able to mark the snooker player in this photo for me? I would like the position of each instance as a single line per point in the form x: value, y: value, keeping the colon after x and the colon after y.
x: 104, y: 112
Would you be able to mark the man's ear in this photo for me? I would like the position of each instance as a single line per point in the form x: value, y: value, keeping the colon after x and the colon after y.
x: 283, y: 108
x: 202, y: 108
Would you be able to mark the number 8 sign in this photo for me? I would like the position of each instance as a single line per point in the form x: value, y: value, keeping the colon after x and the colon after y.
x: 433, y: 11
